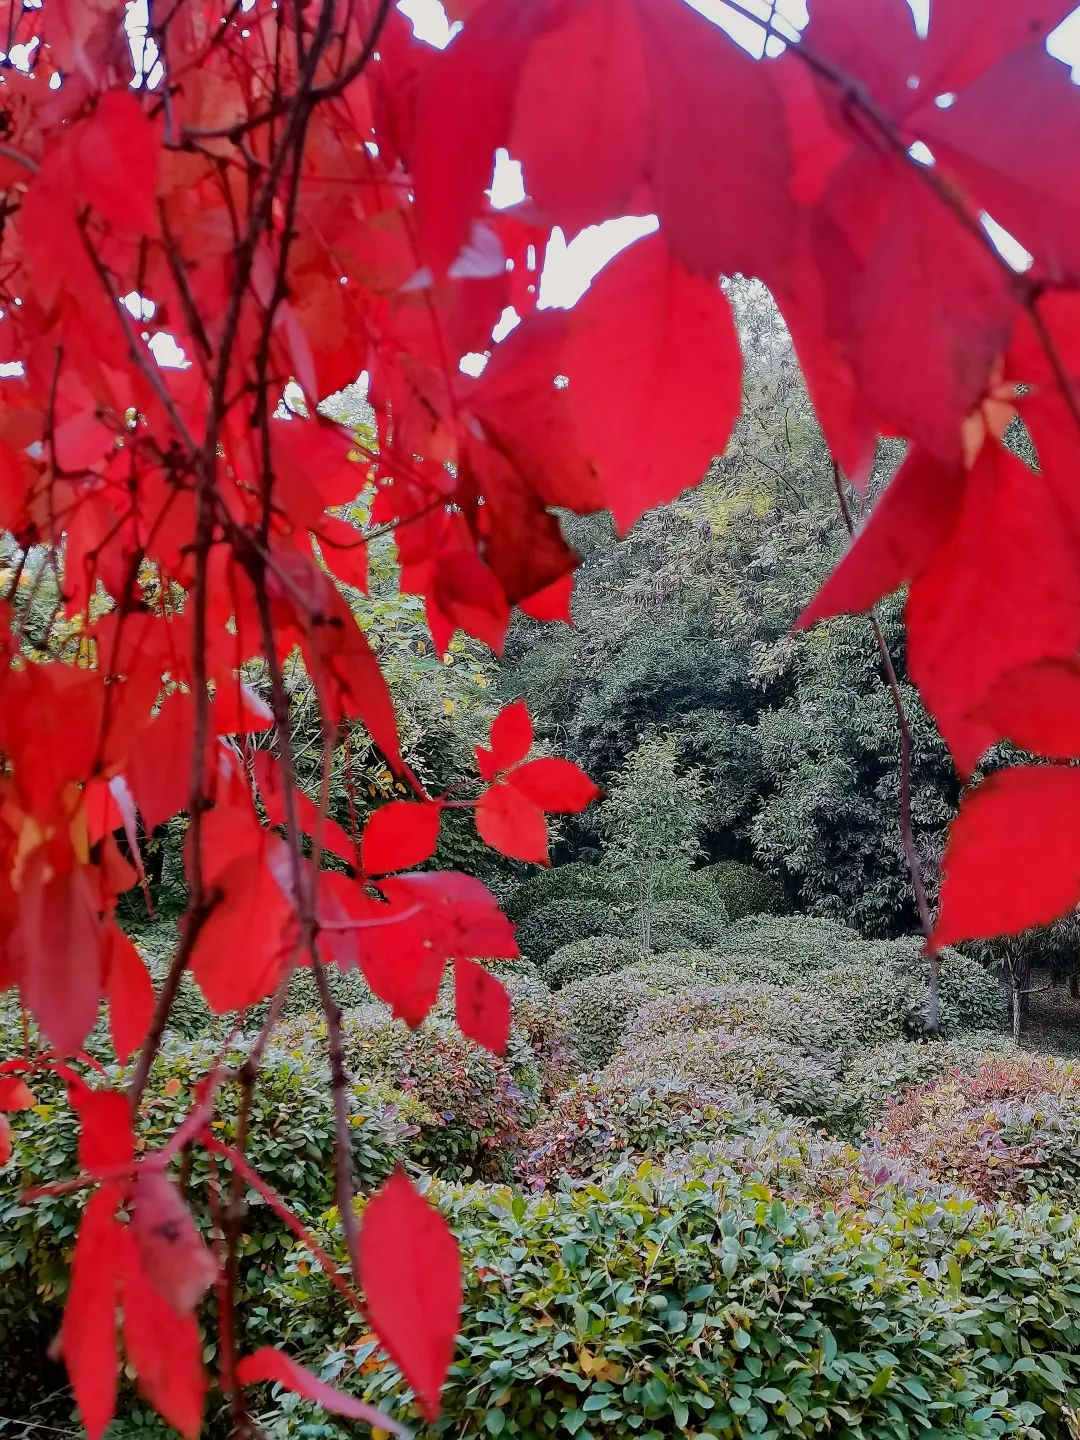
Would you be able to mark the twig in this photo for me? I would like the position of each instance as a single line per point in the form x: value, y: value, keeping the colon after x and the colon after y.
x: 907, y: 835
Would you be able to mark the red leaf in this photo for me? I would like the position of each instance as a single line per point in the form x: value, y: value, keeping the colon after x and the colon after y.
x: 1003, y: 591
x: 130, y: 993
x: 1013, y: 856
x: 900, y: 537
x: 117, y: 159
x: 1011, y: 136
x: 238, y: 710
x: 551, y: 603
x: 172, y: 1253
x: 511, y: 740
x: 711, y: 166
x: 159, y: 766
x: 399, y: 835
x: 581, y: 115
x: 557, y: 786
x: 344, y: 550
x: 331, y: 835
x: 455, y: 143
x: 482, y: 1006
x: 88, y: 1333
x: 15, y: 1094
x: 58, y: 941
x: 403, y: 945
x: 651, y: 340
x: 468, y: 596
x: 106, y: 1141
x: 411, y: 1278
x: 5, y: 1140
x: 238, y: 957
x: 164, y: 1349
x: 1037, y: 707
x: 964, y: 39
x: 510, y: 823
x: 269, y: 1365
x: 920, y: 367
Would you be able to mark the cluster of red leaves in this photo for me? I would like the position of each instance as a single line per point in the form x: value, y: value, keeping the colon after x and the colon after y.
x: 297, y: 192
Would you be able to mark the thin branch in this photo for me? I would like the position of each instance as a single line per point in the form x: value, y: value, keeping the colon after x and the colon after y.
x: 907, y: 834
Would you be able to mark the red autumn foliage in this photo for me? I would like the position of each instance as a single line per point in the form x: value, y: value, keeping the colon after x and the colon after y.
x: 302, y: 202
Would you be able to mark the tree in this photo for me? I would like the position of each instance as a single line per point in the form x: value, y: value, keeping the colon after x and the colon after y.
x: 652, y: 818
x: 285, y: 196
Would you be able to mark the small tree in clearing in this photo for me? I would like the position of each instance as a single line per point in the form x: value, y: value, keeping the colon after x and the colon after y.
x: 652, y: 819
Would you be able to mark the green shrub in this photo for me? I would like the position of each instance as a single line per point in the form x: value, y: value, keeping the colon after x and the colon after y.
x: 682, y: 924
x: 559, y: 922
x: 666, y: 1306
x: 750, y: 1064
x: 595, y: 1010
x: 886, y: 986
x: 535, y: 1017
x: 291, y: 1144
x: 574, y: 881
x: 873, y: 1077
x: 475, y: 1105
x: 803, y: 943
x: 610, y: 1120
x: 803, y: 1020
x: 742, y: 889
x: 1009, y: 1129
x: 876, y: 1000
x: 597, y: 955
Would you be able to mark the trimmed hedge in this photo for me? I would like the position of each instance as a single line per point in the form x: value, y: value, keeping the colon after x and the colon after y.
x: 618, y: 1119
x: 875, y: 1077
x: 559, y: 922
x: 582, y: 959
x: 1008, y: 1130
x: 801, y: 1019
x: 672, y: 1306
x: 749, y: 1064
x: 742, y: 889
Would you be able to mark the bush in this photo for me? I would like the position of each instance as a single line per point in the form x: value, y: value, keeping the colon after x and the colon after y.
x: 475, y: 1105
x: 750, y: 1064
x: 595, y: 1010
x: 802, y: 1020
x: 804, y: 944
x: 574, y: 881
x: 1008, y: 1130
x: 291, y: 1144
x: 876, y: 1000
x: 536, y: 1018
x: 581, y: 959
x: 679, y: 924
x: 613, y: 1119
x: 667, y: 1306
x: 886, y: 986
x: 741, y: 890
x: 559, y: 922
x: 874, y: 1077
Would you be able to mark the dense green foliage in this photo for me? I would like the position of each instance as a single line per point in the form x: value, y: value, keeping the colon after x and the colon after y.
x: 682, y: 661
x: 687, y: 1199
x: 672, y: 1306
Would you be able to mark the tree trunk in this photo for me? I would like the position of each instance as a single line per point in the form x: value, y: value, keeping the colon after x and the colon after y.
x: 1018, y: 969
